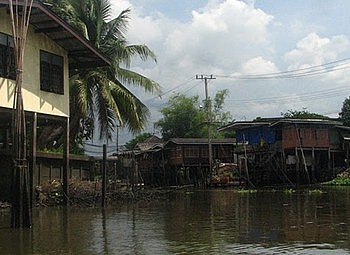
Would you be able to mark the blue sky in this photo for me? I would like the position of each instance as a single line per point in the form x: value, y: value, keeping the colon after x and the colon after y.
x: 232, y: 38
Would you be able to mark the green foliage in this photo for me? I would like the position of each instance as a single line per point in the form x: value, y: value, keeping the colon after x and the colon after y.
x: 183, y: 116
x: 102, y: 94
x: 338, y: 181
x: 138, y: 139
x: 345, y: 112
x: 315, y: 191
x: 73, y: 149
x: 289, y: 191
x: 304, y: 114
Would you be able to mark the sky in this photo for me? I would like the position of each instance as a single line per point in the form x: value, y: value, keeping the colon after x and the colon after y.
x: 272, y: 55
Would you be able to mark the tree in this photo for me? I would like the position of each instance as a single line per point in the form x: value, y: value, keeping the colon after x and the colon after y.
x: 183, y: 116
x: 138, y: 139
x: 345, y: 112
x: 101, y: 94
x: 304, y: 114
x: 219, y: 116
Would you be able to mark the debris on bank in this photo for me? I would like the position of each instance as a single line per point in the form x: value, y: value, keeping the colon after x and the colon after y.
x: 4, y: 205
x: 342, y: 179
x: 89, y: 193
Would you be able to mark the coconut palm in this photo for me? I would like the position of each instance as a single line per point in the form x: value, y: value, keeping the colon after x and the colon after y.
x: 100, y: 95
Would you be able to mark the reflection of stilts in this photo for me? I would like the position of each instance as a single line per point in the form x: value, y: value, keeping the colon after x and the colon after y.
x: 243, y: 170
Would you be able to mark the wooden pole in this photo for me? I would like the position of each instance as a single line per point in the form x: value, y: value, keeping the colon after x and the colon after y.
x: 209, y: 119
x: 313, y: 165
x: 65, y: 169
x: 297, y: 167
x: 21, y: 204
x: 33, y: 156
x: 104, y: 166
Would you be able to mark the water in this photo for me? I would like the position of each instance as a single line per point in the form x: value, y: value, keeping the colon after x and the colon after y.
x: 195, y: 222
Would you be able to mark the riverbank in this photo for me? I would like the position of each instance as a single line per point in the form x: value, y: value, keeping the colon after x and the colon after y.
x: 342, y: 179
x: 89, y: 193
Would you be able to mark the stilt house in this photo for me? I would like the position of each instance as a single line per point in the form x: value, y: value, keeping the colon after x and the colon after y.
x: 54, y: 50
x: 283, y: 150
x: 188, y: 158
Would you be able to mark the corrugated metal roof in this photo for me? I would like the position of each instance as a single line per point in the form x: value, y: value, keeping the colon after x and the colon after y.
x: 195, y: 141
x: 243, y: 125
x: 276, y: 121
x: 307, y: 121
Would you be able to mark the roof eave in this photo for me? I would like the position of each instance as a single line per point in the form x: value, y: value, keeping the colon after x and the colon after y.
x: 102, y: 60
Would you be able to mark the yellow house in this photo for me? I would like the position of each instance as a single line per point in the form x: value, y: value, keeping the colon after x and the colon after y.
x: 53, y: 49
x: 53, y: 52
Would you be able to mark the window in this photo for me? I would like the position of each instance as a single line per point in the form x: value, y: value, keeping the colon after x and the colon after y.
x: 51, y: 72
x: 7, y: 57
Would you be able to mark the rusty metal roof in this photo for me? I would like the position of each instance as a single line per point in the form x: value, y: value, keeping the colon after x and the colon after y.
x: 270, y: 122
x: 81, y: 53
x: 198, y: 141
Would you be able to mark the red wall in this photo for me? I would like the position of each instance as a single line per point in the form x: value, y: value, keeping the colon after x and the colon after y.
x: 309, y: 137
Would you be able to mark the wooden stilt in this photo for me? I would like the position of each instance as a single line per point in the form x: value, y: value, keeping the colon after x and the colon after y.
x: 297, y: 166
x: 65, y: 163
x: 313, y: 165
x: 104, y: 168
x: 329, y: 159
x: 32, y: 167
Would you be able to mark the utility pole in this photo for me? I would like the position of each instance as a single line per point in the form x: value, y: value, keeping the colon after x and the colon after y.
x: 208, y: 108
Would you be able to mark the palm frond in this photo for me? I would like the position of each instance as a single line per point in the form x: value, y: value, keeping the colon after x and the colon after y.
x: 116, y: 28
x: 133, y: 112
x: 123, y: 53
x: 126, y: 76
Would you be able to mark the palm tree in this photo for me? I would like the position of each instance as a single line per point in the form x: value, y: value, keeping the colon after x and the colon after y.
x: 100, y: 95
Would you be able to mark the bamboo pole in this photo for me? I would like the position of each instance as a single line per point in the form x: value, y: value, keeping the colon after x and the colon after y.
x: 21, y: 204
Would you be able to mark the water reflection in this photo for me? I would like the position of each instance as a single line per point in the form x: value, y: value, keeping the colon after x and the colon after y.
x: 197, y: 222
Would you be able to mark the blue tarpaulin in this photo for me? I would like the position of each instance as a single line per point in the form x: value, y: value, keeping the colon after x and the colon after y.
x: 257, y: 135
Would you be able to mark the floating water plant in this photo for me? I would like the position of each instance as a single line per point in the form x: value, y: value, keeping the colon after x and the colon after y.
x: 316, y: 191
x: 242, y: 191
x: 289, y: 191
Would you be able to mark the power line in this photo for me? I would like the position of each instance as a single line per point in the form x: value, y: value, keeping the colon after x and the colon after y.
x: 99, y: 145
x: 296, y: 73
x: 309, y: 95
x: 172, y: 89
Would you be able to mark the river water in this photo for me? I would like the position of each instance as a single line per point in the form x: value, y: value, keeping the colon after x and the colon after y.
x: 193, y: 222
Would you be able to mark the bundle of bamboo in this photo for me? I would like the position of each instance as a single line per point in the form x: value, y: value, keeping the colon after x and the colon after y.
x: 21, y: 202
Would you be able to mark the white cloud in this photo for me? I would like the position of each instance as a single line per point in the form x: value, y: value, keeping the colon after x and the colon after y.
x: 258, y: 65
x: 313, y: 50
x: 218, y: 39
x: 232, y: 36
x: 119, y: 6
